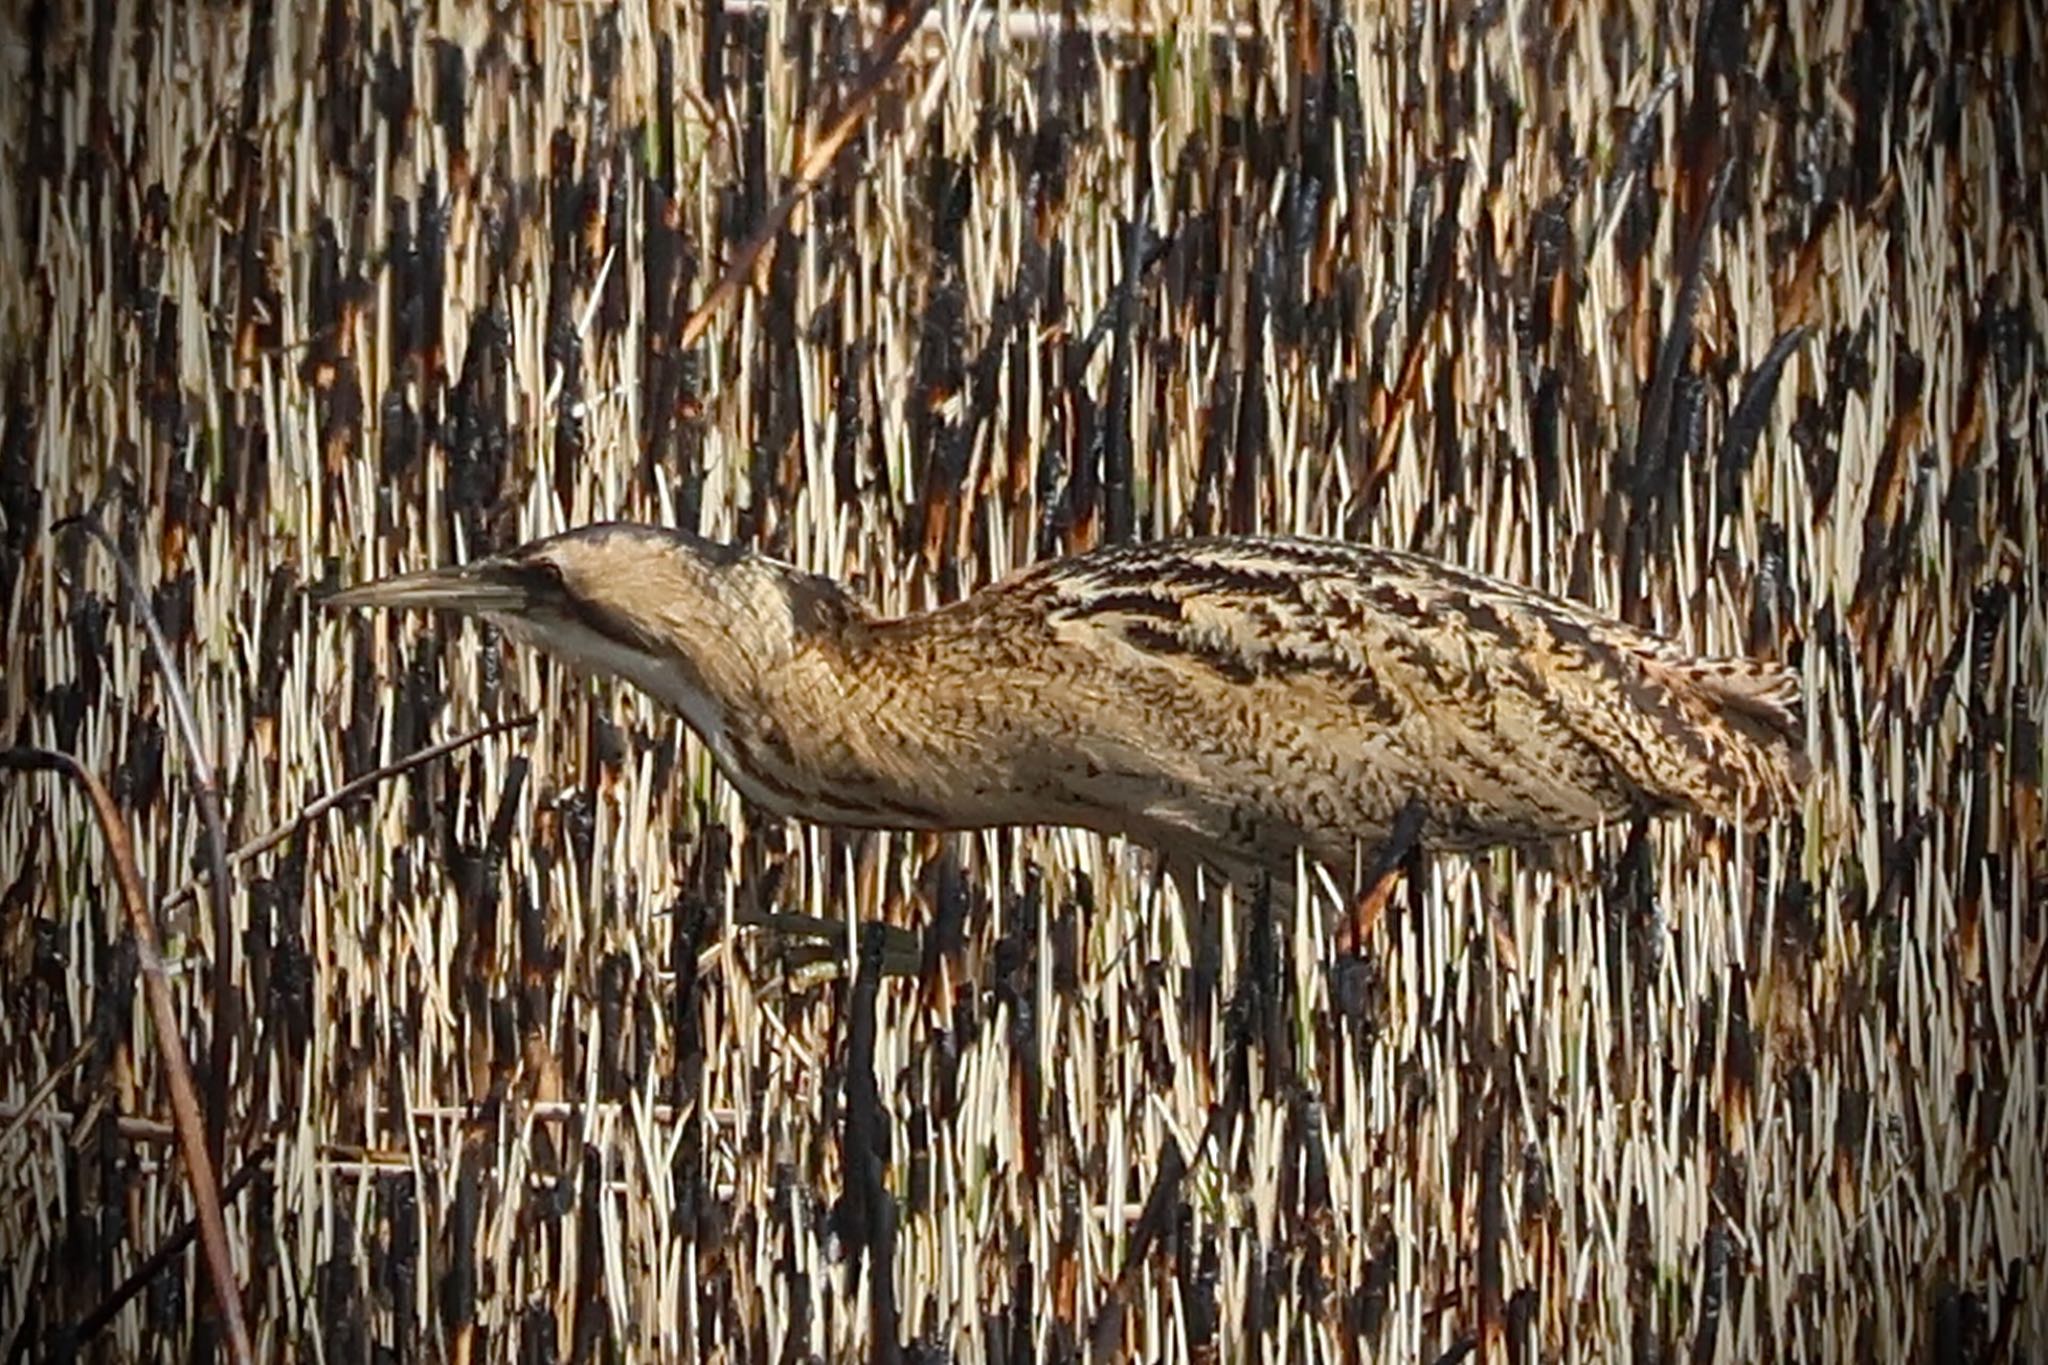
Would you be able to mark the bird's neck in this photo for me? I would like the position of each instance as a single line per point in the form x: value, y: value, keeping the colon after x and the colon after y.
x: 897, y: 724
x: 769, y: 682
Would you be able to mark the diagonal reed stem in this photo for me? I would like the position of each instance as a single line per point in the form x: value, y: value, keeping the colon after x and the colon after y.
x: 207, y: 794
x: 221, y: 979
x: 326, y: 802
x: 156, y: 988
x: 845, y: 122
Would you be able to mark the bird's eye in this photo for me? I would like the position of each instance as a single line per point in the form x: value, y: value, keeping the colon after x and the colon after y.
x: 542, y: 578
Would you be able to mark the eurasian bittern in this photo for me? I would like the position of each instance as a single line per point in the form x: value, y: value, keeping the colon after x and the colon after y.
x: 1229, y: 701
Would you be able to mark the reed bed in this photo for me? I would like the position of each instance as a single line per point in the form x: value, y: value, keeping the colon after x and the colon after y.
x: 1728, y: 321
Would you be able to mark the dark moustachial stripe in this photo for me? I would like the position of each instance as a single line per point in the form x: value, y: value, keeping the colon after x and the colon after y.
x: 612, y: 625
x: 541, y: 579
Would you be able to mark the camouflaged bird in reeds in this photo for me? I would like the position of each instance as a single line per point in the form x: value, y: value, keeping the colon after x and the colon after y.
x: 1229, y: 701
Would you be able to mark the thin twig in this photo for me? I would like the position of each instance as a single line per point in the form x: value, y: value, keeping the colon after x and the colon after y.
x: 130, y: 1126
x: 255, y: 848
x: 1020, y: 24
x: 42, y: 1091
x: 222, y: 978
x: 141, y: 1128
x: 110, y: 1308
x: 815, y: 163
x: 156, y: 988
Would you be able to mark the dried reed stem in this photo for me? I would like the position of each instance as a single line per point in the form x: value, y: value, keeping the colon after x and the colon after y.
x: 810, y: 170
x: 226, y: 1025
x: 419, y: 758
x: 156, y: 989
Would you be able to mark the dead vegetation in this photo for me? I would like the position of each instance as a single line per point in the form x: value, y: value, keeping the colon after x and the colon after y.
x: 1730, y: 324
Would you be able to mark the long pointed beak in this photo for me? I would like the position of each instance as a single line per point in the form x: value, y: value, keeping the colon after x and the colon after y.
x: 476, y: 588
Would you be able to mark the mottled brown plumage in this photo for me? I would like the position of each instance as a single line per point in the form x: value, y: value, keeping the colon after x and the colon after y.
x: 1227, y: 701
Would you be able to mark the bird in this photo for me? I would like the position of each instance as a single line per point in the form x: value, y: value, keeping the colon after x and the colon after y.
x: 1233, y: 702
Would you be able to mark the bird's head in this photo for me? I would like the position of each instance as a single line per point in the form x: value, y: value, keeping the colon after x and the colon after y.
x: 687, y: 620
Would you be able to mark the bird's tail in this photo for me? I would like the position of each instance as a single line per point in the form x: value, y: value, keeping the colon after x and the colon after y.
x: 1749, y: 713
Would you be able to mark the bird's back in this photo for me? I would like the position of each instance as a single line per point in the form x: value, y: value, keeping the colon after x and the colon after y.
x: 1235, y: 698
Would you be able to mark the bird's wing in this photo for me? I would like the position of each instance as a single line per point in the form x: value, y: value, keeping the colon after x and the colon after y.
x: 1509, y: 712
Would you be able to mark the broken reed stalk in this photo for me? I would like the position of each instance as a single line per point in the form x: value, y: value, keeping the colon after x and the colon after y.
x: 134, y: 1127
x: 222, y: 978
x: 1105, y: 1329
x: 43, y: 1091
x: 1435, y: 289
x: 1022, y: 25
x: 156, y: 988
x: 320, y: 806
x: 109, y: 1308
x: 809, y: 172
